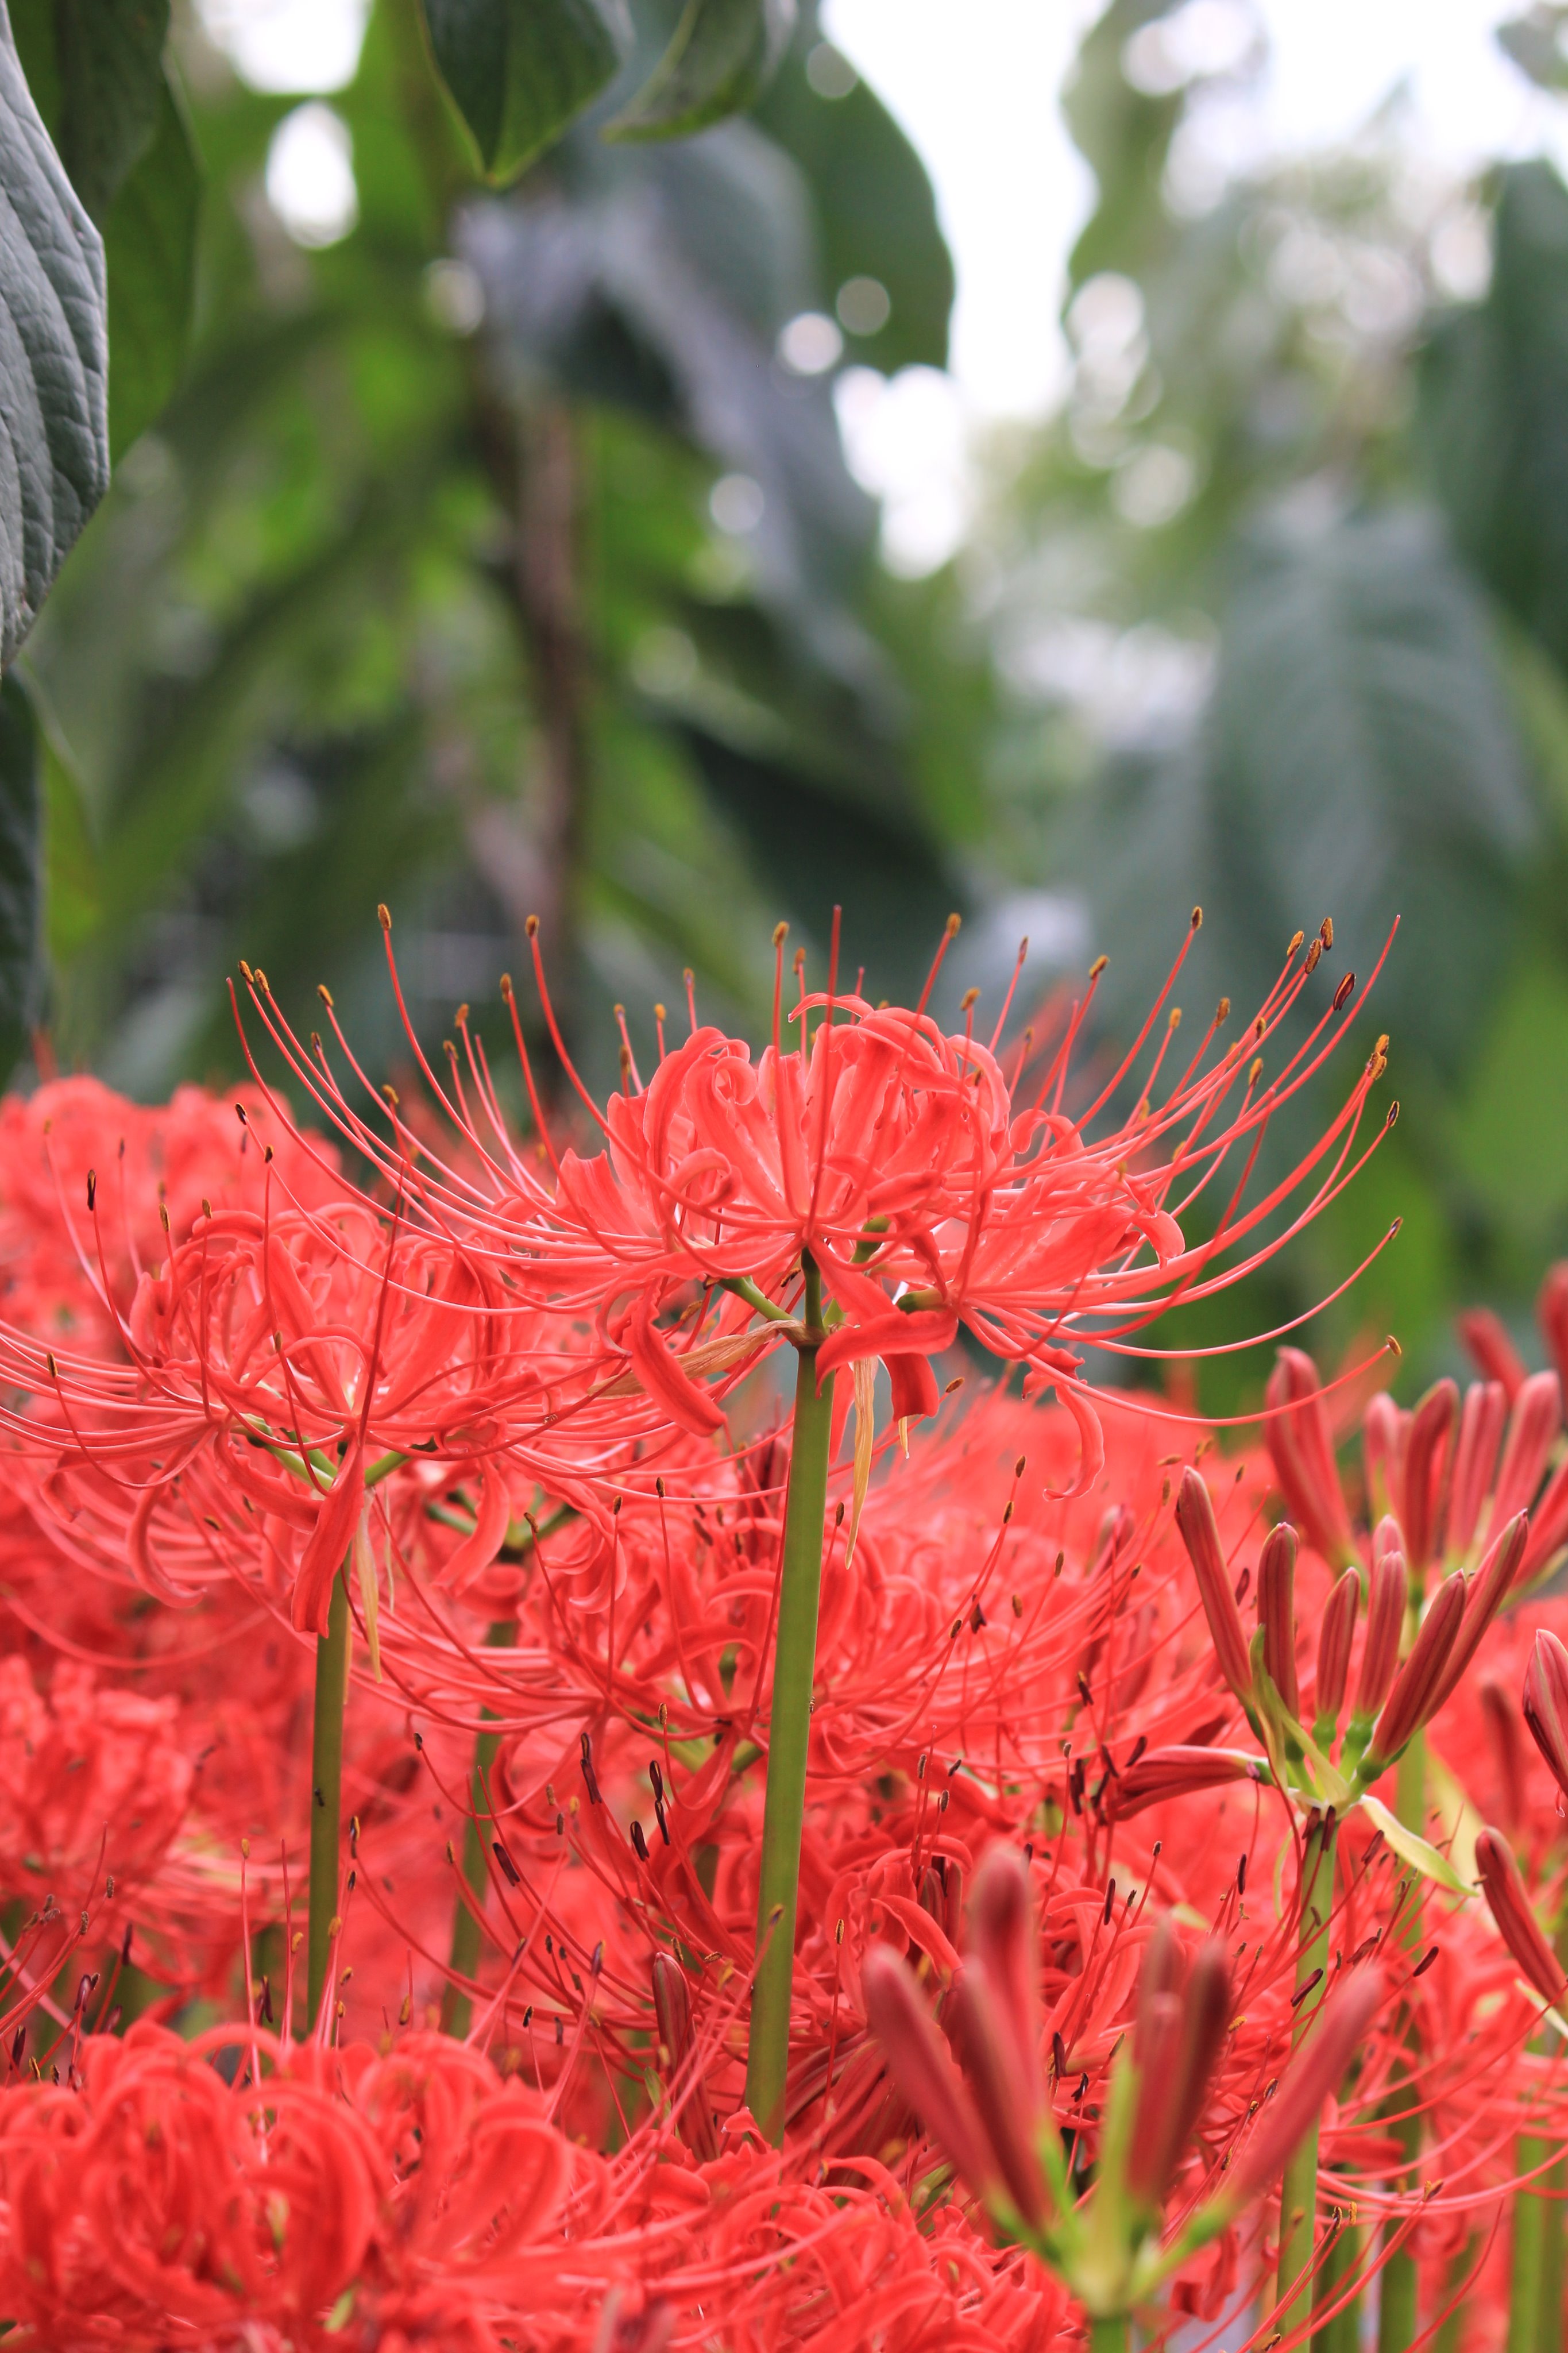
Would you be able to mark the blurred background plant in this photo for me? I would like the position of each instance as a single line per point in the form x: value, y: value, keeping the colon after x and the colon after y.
x: 500, y: 549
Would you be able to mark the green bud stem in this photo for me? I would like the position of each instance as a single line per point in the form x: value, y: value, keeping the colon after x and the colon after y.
x: 1298, y: 2187
x: 327, y: 1791
x: 456, y: 2008
x: 1399, y: 2280
x: 789, y: 1731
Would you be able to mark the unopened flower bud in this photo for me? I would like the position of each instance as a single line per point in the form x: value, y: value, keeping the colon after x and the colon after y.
x: 1545, y: 1703
x: 1302, y: 1449
x: 1313, y: 2075
x: 672, y: 2008
x: 1002, y: 1934
x: 1516, y: 1922
x: 922, y: 2067
x: 1481, y: 1422
x: 1335, y: 1636
x: 1277, y: 1611
x: 1493, y: 1352
x: 1551, y: 1314
x: 1386, y: 1598
x: 1533, y: 1431
x: 1176, y: 2044
x: 1176, y: 1772
x: 1200, y: 1534
x: 1383, y: 1434
x: 1009, y: 2118
x: 1489, y: 1589
x: 1417, y: 1686
x: 1423, y: 1486
x: 1505, y: 1738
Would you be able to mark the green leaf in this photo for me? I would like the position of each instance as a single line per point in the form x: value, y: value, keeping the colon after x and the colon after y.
x: 110, y: 57
x: 1493, y: 387
x: 1534, y: 41
x: 722, y: 56
x: 1413, y: 1849
x: 876, y: 213
x: 54, y: 438
x: 19, y: 863
x: 150, y: 247
x: 519, y: 71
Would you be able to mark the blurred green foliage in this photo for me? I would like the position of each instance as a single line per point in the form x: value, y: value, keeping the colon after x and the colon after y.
x: 500, y: 557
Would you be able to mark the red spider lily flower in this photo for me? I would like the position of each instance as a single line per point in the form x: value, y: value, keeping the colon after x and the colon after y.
x: 672, y: 2008
x: 1277, y: 1613
x: 900, y: 1159
x: 1545, y: 1702
x: 1551, y: 1314
x: 923, y: 2068
x: 1200, y: 1534
x: 1516, y: 1922
x: 1481, y: 1425
x: 1500, y: 1569
x: 1178, y: 1771
x: 1313, y: 2075
x: 92, y: 1781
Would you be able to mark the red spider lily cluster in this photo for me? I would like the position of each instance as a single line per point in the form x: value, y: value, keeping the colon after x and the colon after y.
x: 402, y: 1536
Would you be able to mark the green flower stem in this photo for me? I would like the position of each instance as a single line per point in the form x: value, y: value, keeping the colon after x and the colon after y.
x: 789, y: 1734
x: 1448, y: 2338
x: 1399, y: 2280
x: 1109, y: 2335
x: 456, y: 2009
x: 1534, y: 2221
x: 1298, y: 2188
x: 1554, y: 2211
x: 1340, y: 2334
x: 327, y: 1791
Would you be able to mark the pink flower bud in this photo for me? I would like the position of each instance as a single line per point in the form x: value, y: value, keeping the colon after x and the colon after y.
x: 1545, y: 1703
x: 1314, y: 2074
x: 1176, y: 1772
x: 1385, y: 1624
x: 1489, y: 1589
x: 1516, y: 1920
x: 1384, y: 1429
x: 1418, y: 1684
x: 1505, y: 1737
x: 1424, y: 1490
x: 1548, y: 1527
x: 1002, y: 1939
x: 1532, y: 1429
x: 1200, y: 1534
x: 672, y: 2008
x: 1551, y: 1314
x: 1492, y: 1353
x: 1474, y: 1460
x: 922, y: 2067
x: 1009, y: 2118
x: 1176, y: 2044
x: 1335, y: 1636
x: 1277, y: 1611
x: 1302, y: 1449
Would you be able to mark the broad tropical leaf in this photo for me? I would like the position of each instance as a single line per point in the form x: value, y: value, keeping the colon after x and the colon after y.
x: 519, y: 71
x: 150, y: 246
x: 722, y: 56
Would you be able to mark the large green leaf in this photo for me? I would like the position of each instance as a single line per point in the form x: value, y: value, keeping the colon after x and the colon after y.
x: 150, y: 247
x: 1356, y: 759
x: 1493, y: 393
x: 54, y: 436
x: 722, y: 57
x: 111, y: 64
x: 1124, y: 135
x: 876, y: 212
x: 19, y: 863
x: 519, y: 71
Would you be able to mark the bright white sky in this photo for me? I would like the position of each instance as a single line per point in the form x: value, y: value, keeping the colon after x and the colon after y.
x: 974, y: 83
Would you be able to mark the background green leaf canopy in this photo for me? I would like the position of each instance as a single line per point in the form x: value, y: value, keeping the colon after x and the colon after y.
x: 502, y: 556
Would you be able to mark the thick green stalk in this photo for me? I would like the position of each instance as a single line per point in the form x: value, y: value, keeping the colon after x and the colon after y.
x: 1399, y: 2280
x: 1338, y: 2334
x: 1554, y: 2267
x: 1298, y: 2188
x: 326, y: 1789
x: 1448, y: 2338
x: 789, y: 1732
x: 456, y: 2009
x: 1109, y: 2335
x: 1533, y: 2218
